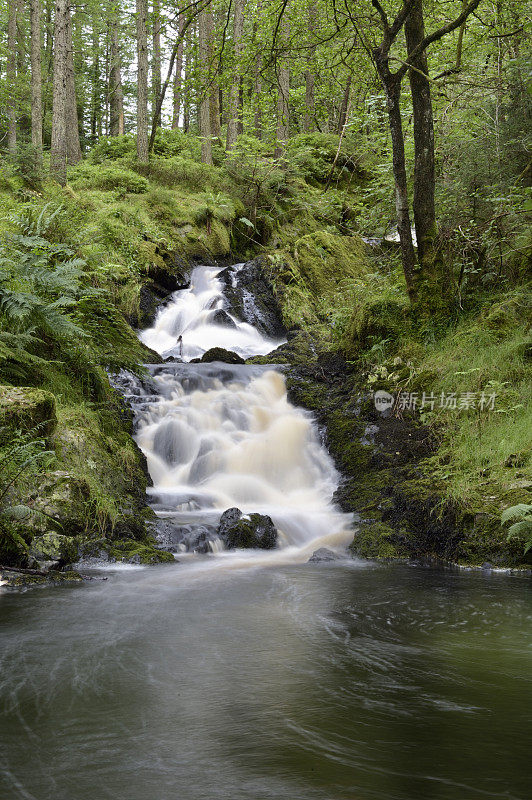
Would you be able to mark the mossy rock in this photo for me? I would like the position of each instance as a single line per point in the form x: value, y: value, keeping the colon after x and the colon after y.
x: 54, y: 547
x: 134, y: 552
x: 380, y: 541
x: 28, y: 409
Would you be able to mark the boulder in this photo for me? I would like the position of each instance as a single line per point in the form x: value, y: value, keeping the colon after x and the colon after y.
x: 247, y: 531
x: 222, y: 318
x: 27, y: 409
x: 219, y: 354
x: 323, y: 554
x: 54, y: 547
x: 249, y: 294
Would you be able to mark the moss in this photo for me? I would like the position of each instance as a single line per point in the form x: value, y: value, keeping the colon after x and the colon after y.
x: 27, y: 409
x: 380, y: 541
x: 142, y: 553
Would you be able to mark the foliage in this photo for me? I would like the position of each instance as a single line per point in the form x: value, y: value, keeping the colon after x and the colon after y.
x: 521, y: 518
x: 108, y: 177
x: 22, y: 457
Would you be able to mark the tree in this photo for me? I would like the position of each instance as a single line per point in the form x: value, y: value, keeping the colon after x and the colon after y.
x: 232, y: 123
x: 36, y: 80
x: 73, y: 145
x: 423, y: 128
x: 11, y: 74
x: 178, y: 78
x: 204, y: 116
x: 58, y: 150
x: 283, y: 91
x: 310, y: 78
x: 142, y: 80
x: 156, y: 61
x: 116, y: 94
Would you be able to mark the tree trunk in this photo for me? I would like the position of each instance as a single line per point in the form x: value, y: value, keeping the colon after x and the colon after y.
x: 156, y: 61
x: 72, y: 124
x: 283, y: 95
x: 258, y: 96
x: 211, y: 68
x: 186, y: 92
x: 95, y: 80
x: 116, y: 94
x: 36, y: 81
x: 342, y: 116
x: 178, y: 77
x: 48, y: 46
x: 232, y: 123
x: 204, y: 117
x: 310, y: 77
x: 11, y: 74
x: 142, y: 80
x: 424, y: 204
x: 58, y: 152
x: 392, y: 89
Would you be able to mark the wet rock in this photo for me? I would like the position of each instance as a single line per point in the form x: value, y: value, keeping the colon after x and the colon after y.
x: 222, y: 318
x: 219, y: 354
x: 250, y: 531
x: 323, y: 554
x: 53, y: 547
x: 199, y: 540
x: 251, y: 299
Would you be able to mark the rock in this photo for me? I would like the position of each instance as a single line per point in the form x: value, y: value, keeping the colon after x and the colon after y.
x: 323, y: 554
x: 222, y: 318
x: 219, y: 354
x: 250, y: 531
x: 27, y: 409
x: 54, y: 547
x: 251, y: 298
x: 199, y: 538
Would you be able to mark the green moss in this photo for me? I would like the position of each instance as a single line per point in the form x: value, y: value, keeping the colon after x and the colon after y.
x: 142, y: 553
x: 27, y: 409
x: 379, y: 541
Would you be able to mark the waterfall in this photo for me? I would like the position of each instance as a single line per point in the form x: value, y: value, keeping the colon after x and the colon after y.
x: 218, y: 435
x: 199, y: 317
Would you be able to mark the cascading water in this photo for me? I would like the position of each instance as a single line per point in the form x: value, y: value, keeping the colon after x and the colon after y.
x: 217, y: 435
x: 198, y: 316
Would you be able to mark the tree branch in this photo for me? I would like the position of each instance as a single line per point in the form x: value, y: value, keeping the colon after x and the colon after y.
x: 434, y: 37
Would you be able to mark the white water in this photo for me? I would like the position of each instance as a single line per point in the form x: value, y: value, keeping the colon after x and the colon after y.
x: 190, y: 314
x: 218, y: 436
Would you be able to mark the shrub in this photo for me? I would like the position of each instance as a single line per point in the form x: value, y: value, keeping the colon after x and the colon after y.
x: 111, y: 148
x: 108, y: 177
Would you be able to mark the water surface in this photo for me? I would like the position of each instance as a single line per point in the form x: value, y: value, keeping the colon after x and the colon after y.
x: 344, y: 681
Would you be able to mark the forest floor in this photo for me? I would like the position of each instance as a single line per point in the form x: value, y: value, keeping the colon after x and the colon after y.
x: 429, y: 478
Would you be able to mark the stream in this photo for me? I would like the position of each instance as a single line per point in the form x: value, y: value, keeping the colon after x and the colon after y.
x: 256, y: 674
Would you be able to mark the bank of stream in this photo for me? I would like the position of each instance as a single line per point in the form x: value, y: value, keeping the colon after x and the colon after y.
x: 255, y: 674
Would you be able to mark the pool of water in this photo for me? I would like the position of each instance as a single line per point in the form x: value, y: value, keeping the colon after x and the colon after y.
x: 341, y: 681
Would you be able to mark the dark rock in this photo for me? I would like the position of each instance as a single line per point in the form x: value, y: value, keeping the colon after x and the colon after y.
x: 251, y: 531
x: 219, y: 354
x: 179, y: 538
x: 251, y: 299
x: 221, y: 317
x: 323, y: 554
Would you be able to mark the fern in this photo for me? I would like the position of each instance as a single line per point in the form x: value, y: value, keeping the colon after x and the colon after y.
x: 521, y: 516
x: 23, y: 458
